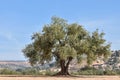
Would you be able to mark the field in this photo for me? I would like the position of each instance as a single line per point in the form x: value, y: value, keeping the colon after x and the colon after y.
x: 62, y: 78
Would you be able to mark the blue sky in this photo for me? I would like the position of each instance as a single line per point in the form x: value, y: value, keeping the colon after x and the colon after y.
x: 20, y: 18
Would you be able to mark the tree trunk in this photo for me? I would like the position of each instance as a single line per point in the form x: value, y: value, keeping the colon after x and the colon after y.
x: 64, y: 67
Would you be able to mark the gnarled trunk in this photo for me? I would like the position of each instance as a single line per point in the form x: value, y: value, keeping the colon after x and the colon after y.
x: 64, y: 67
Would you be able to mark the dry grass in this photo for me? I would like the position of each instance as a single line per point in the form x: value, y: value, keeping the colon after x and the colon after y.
x: 61, y: 78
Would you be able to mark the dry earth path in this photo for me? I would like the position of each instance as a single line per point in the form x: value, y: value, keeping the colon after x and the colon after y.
x: 62, y: 78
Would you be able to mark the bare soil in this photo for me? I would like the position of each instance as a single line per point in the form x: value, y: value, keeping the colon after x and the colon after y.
x: 60, y: 78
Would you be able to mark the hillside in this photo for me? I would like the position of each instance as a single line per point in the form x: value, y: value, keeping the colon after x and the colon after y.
x: 14, y: 64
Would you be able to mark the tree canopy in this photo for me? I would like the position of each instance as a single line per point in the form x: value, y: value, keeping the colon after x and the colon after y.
x: 65, y: 42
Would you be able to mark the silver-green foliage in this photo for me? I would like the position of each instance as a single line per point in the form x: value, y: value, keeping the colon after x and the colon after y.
x: 64, y: 41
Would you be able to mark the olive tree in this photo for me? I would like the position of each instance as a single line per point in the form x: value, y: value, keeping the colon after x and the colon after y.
x: 65, y: 42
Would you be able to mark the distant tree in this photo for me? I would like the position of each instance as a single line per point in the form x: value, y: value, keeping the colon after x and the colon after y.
x: 64, y: 42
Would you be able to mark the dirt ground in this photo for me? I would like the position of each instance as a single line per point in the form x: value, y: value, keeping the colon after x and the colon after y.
x: 63, y: 78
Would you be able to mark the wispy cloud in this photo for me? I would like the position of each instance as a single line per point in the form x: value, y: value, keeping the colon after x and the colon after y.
x: 108, y: 22
x: 9, y: 36
x: 94, y: 23
x: 10, y: 47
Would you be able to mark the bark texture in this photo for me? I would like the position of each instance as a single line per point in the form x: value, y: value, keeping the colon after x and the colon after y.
x: 64, y: 67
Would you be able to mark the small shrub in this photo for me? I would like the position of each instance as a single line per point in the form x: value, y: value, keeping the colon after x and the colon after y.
x: 118, y: 72
x: 90, y: 71
x: 9, y: 72
x: 30, y: 71
x: 93, y: 71
x: 47, y: 72
x: 110, y: 72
